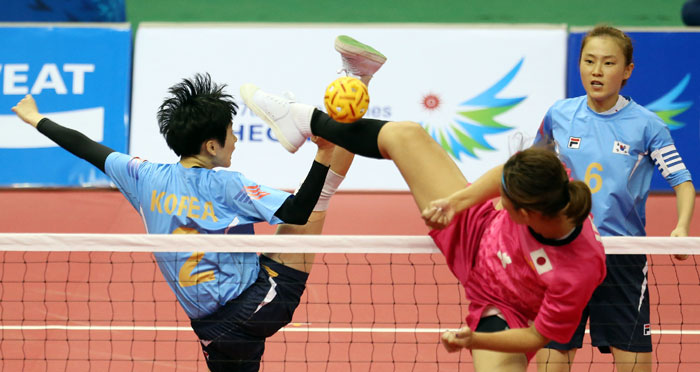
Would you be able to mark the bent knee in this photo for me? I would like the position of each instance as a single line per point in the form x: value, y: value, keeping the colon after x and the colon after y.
x: 403, y: 132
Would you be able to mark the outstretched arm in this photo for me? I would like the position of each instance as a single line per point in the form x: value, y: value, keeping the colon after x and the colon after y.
x: 516, y: 340
x: 440, y: 212
x: 75, y: 142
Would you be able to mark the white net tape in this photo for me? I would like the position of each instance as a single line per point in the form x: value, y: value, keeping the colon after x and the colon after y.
x: 293, y: 243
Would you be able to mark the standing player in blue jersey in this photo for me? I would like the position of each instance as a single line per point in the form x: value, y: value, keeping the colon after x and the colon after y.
x: 614, y: 145
x: 235, y: 300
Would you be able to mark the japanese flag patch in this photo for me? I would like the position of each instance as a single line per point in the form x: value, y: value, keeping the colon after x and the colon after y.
x: 621, y: 148
x: 541, y: 261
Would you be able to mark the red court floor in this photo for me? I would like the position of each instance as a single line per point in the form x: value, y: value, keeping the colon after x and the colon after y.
x: 96, y: 311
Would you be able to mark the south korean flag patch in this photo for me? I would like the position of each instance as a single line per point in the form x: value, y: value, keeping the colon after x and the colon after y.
x: 540, y: 261
x: 621, y: 148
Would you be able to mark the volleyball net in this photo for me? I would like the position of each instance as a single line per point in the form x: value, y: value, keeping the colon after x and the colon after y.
x: 72, y: 302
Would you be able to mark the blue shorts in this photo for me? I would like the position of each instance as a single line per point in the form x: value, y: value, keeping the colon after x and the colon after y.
x: 233, y: 337
x: 618, y: 309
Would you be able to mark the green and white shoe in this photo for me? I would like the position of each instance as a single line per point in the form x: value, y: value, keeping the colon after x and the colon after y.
x: 358, y: 59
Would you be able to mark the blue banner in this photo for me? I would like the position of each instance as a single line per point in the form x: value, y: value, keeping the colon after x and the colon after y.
x: 80, y: 78
x: 666, y: 80
x: 63, y: 11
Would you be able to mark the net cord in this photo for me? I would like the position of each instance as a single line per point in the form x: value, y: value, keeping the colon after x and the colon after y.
x: 396, y: 244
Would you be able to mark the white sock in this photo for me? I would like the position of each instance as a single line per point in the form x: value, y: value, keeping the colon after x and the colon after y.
x: 330, y: 186
x: 301, y: 114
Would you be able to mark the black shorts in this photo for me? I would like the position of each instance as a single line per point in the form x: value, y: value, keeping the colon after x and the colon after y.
x: 491, y: 324
x: 233, y: 337
x: 618, y: 309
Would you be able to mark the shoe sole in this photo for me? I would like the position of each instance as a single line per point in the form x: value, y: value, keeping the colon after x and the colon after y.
x: 247, y: 92
x: 348, y: 45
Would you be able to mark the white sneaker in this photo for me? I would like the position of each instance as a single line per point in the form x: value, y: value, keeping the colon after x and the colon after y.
x: 358, y: 59
x: 290, y: 121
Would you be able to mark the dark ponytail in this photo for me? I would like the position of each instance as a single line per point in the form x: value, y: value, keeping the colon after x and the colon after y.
x: 579, y: 202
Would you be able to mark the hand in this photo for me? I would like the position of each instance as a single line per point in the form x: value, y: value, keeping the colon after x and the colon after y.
x: 680, y: 232
x: 438, y: 214
x: 27, y: 111
x: 455, y: 340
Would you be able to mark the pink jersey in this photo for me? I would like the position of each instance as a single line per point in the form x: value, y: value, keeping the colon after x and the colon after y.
x: 527, y: 277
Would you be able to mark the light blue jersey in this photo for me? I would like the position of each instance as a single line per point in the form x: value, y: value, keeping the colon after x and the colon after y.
x: 615, y: 155
x: 173, y: 199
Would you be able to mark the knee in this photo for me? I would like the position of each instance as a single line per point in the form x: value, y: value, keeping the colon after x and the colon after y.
x: 405, y: 132
x: 398, y: 135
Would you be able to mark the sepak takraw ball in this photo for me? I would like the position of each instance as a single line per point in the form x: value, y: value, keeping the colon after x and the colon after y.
x: 346, y: 99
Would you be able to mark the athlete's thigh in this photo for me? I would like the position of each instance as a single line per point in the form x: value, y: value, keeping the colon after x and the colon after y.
x: 425, y: 166
x: 299, y: 261
x: 628, y: 361
x: 486, y: 360
x: 553, y: 360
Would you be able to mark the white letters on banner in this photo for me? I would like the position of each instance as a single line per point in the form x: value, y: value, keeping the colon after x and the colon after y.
x: 481, y: 92
x: 15, y: 78
x: 80, y: 77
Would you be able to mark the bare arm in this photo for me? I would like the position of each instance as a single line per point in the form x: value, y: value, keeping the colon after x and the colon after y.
x: 75, y: 142
x: 517, y: 340
x: 441, y: 211
x: 685, y: 203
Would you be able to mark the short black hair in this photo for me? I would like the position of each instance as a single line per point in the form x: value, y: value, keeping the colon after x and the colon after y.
x: 197, y: 110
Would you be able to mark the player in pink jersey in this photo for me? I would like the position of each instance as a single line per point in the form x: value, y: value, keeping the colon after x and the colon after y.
x: 528, y: 269
x: 538, y: 260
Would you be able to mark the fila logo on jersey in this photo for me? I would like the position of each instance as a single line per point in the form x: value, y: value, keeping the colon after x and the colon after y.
x: 541, y: 261
x: 621, y: 148
x: 647, y: 330
x: 574, y: 142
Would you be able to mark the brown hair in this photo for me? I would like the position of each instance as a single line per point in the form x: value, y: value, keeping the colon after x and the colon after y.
x: 621, y: 39
x: 535, y: 179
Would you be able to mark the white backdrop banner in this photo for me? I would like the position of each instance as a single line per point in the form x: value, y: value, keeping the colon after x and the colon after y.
x: 481, y: 92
